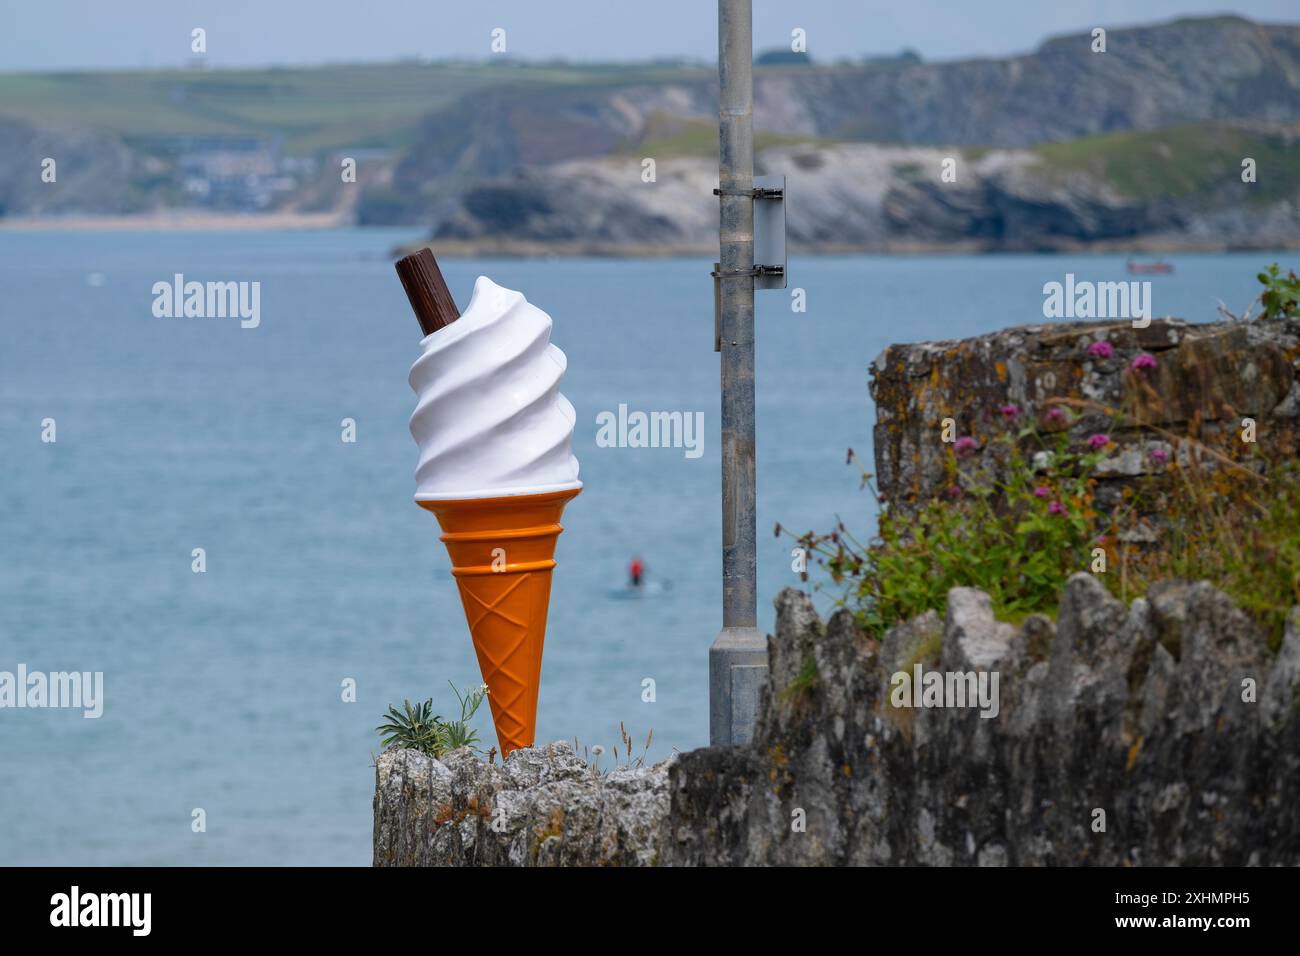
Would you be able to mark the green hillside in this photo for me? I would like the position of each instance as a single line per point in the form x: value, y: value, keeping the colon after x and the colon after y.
x: 311, y: 108
x: 1181, y: 160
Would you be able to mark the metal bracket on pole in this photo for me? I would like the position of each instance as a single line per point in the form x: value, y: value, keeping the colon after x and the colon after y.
x: 769, y: 244
x: 769, y: 231
x: 758, y: 192
x: 717, y: 308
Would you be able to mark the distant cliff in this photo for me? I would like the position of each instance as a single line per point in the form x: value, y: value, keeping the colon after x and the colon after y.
x: 1179, y: 82
x: 1139, y: 146
x: 94, y: 172
x: 1176, y: 188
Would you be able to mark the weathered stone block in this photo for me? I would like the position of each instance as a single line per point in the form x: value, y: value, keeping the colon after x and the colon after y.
x: 1206, y: 378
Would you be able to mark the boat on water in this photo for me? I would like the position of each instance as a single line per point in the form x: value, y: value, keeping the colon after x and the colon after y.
x: 1159, y: 267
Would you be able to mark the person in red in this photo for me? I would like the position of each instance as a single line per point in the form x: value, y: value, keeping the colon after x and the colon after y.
x: 635, y: 570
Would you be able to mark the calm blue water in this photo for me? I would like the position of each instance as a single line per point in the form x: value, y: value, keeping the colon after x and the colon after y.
x: 223, y: 689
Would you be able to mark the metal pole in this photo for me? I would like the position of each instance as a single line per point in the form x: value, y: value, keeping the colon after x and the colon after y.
x: 738, y: 658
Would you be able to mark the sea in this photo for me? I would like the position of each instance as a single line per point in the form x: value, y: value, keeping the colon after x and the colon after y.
x: 240, y: 701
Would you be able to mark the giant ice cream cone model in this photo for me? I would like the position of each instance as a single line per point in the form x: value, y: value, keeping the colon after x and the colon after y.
x: 496, y: 468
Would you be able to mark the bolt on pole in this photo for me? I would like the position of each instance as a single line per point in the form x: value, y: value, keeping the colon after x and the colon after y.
x: 738, y: 657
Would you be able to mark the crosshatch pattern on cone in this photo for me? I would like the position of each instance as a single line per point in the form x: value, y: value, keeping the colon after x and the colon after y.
x: 502, y: 553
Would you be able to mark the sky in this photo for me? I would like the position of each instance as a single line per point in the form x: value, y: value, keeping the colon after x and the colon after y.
x: 92, y: 34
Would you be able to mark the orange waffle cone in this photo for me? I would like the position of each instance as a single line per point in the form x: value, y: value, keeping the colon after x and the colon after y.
x: 506, y: 595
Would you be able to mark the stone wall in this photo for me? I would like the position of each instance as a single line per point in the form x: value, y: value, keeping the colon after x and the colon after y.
x: 1138, y: 712
x: 1206, y: 379
x: 544, y: 807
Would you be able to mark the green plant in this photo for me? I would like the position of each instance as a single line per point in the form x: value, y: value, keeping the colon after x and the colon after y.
x: 1281, y: 295
x: 457, y: 733
x: 804, y: 682
x: 1017, y: 537
x: 1279, y: 300
x: 1020, y: 516
x: 1229, y: 515
x: 415, y: 727
x: 418, y: 728
x: 1244, y: 537
x: 1020, y: 536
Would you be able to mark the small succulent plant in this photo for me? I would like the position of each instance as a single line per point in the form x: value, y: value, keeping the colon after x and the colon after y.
x: 417, y: 727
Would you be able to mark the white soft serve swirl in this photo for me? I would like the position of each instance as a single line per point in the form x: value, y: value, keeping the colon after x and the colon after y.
x: 489, y: 417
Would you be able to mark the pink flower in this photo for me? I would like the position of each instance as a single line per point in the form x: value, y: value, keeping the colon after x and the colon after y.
x: 1159, y: 455
x: 1010, y: 411
x: 954, y: 491
x: 1142, y: 362
x: 1042, y: 492
x: 1055, y: 414
x: 1101, y: 540
x: 1056, y: 508
x: 965, y: 446
x: 1102, y: 349
x: 1098, y: 441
